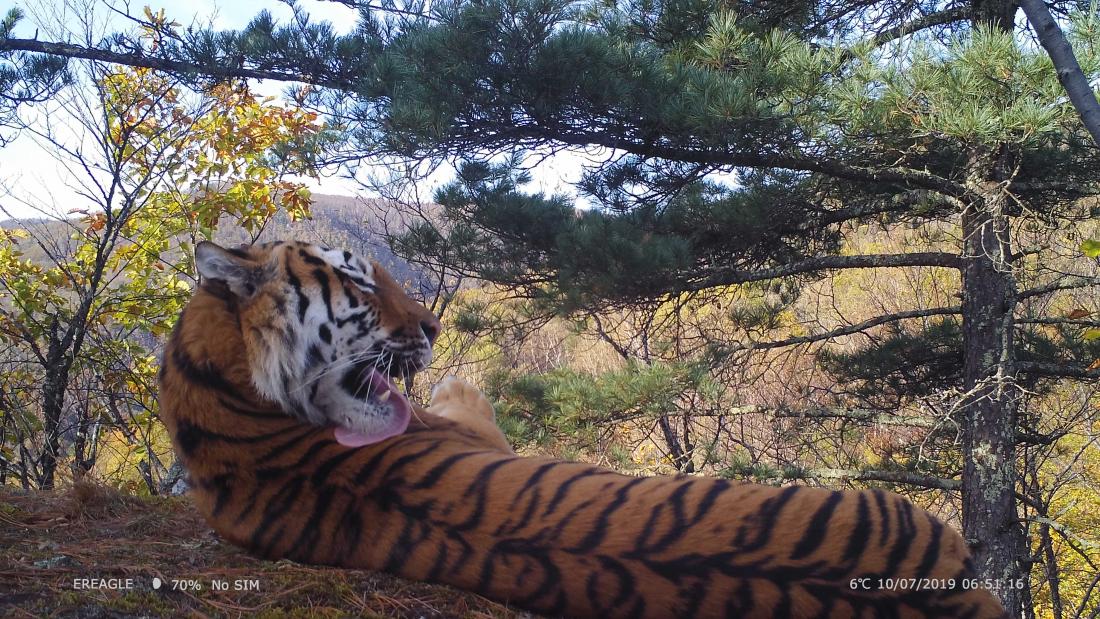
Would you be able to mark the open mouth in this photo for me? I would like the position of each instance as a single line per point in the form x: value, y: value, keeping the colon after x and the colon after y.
x: 392, y: 406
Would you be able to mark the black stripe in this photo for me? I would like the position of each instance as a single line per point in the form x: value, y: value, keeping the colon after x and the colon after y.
x: 904, y: 538
x: 306, y: 545
x: 439, y: 564
x: 303, y: 300
x: 222, y: 485
x: 675, y: 529
x: 531, y: 485
x: 598, y: 531
x: 278, y: 506
x: 205, y: 435
x: 761, y: 523
x: 326, y: 293
x: 357, y: 317
x: 884, y: 516
x: 279, y: 449
x: 371, y: 466
x: 479, y: 488
x: 350, y: 528
x: 310, y: 258
x: 314, y: 357
x: 536, y: 562
x: 643, y: 544
x: 204, y: 373
x: 693, y: 597
x: 349, y: 294
x: 320, y: 476
x: 818, y: 527
x: 563, y: 489
x: 466, y: 551
x: 717, y: 487
x: 861, y: 532
x: 413, y: 535
x: 622, y: 585
x: 188, y: 435
x: 364, y: 284
x: 932, y: 552
x: 432, y: 477
x: 740, y: 603
x: 254, y: 414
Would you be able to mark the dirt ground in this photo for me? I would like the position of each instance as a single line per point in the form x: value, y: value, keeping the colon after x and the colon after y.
x: 57, y: 548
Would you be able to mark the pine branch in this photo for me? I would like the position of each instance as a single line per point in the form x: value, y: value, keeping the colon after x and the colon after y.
x: 1070, y: 75
x: 858, y: 327
x: 532, y: 131
x: 181, y: 67
x: 906, y: 177
x: 829, y: 263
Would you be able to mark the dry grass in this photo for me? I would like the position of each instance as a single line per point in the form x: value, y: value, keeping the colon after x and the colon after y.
x: 48, y: 539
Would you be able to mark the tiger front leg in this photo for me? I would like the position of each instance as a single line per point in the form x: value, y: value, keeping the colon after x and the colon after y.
x: 461, y: 402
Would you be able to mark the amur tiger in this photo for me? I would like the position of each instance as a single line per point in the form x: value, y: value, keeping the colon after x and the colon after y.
x: 277, y: 390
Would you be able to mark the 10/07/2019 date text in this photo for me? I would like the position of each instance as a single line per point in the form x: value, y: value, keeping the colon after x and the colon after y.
x: 929, y: 584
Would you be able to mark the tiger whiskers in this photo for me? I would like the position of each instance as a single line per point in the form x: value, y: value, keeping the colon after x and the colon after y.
x: 346, y: 362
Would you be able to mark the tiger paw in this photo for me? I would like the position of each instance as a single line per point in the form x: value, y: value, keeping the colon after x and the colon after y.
x: 461, y: 402
x: 457, y: 397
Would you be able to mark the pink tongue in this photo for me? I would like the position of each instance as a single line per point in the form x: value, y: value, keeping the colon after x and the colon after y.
x: 401, y: 412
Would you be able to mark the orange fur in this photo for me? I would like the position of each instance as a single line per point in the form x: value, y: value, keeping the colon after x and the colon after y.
x: 447, y: 503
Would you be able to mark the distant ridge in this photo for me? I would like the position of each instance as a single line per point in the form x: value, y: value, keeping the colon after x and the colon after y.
x: 352, y: 223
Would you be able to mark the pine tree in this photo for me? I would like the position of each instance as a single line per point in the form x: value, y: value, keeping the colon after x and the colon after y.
x: 826, y: 120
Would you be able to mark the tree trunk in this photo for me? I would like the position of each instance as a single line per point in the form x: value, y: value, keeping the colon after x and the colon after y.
x: 989, y: 405
x: 53, y: 403
x: 672, y: 442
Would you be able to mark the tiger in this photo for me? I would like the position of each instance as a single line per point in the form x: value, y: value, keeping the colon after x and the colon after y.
x: 278, y: 390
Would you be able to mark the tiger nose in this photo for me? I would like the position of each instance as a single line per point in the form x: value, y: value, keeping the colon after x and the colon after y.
x: 431, y: 328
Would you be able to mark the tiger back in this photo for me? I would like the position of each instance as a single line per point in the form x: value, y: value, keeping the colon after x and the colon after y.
x: 443, y: 502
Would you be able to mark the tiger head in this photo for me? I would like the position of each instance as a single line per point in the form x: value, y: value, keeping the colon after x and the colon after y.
x: 325, y: 333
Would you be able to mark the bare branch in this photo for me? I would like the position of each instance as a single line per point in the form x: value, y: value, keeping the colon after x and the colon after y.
x: 862, y: 415
x: 830, y: 263
x: 1071, y: 282
x: 1057, y: 370
x: 1058, y: 321
x: 895, y: 477
x: 939, y: 18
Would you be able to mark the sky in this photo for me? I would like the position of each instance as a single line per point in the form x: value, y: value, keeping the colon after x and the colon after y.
x: 33, y: 183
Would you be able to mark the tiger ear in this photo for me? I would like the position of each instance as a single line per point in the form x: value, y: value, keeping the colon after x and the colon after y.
x: 242, y: 275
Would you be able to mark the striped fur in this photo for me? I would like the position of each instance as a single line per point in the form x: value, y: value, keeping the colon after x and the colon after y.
x: 446, y: 502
